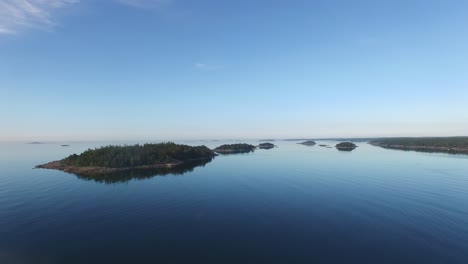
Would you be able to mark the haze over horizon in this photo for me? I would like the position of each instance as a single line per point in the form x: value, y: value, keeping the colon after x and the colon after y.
x: 177, y: 69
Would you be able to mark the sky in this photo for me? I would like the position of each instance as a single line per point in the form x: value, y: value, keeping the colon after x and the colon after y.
x: 244, y: 69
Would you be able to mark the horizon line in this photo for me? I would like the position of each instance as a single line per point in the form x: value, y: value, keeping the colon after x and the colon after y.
x: 219, y: 139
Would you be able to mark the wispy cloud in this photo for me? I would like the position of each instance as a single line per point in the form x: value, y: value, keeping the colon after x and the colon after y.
x: 205, y: 67
x: 147, y: 4
x: 16, y: 15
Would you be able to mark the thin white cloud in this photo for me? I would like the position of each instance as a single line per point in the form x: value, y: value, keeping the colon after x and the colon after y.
x: 200, y: 65
x: 5, y: 30
x: 147, y: 4
x: 16, y: 15
x: 205, y: 67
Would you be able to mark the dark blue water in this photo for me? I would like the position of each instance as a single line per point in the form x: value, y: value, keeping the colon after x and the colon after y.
x: 291, y: 204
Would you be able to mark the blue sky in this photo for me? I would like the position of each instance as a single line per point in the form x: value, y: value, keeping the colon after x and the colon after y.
x: 178, y: 69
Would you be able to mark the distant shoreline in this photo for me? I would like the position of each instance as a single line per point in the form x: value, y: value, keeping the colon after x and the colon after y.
x: 423, y: 148
x: 451, y: 145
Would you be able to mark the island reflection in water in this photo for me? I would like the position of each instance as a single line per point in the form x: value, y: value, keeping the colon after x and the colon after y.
x: 141, y: 174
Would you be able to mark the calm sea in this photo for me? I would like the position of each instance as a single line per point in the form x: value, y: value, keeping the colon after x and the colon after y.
x: 290, y: 204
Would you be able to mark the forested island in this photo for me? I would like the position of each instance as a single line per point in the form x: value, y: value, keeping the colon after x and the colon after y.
x: 308, y: 143
x: 345, y: 146
x: 266, y: 145
x: 454, y: 145
x: 112, y: 159
x: 234, y: 148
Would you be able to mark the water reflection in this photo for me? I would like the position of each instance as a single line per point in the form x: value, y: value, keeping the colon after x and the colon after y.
x: 235, y: 153
x: 141, y: 174
x: 451, y: 151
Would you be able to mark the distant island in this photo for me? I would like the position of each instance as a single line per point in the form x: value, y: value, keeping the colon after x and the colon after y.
x: 266, y: 145
x: 112, y: 159
x: 453, y: 145
x: 308, y: 143
x: 345, y: 146
x: 234, y: 148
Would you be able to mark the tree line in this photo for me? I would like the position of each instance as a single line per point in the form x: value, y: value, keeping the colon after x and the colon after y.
x: 448, y: 142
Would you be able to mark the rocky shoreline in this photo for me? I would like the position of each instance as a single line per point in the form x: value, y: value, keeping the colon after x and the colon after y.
x: 96, y: 170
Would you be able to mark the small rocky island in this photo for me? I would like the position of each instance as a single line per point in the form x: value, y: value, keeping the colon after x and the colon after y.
x: 345, y: 146
x: 308, y: 143
x: 234, y: 148
x: 112, y: 159
x: 451, y: 145
x: 266, y: 145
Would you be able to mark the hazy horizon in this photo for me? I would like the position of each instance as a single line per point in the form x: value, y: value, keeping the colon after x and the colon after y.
x: 183, y: 70
x: 149, y: 140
